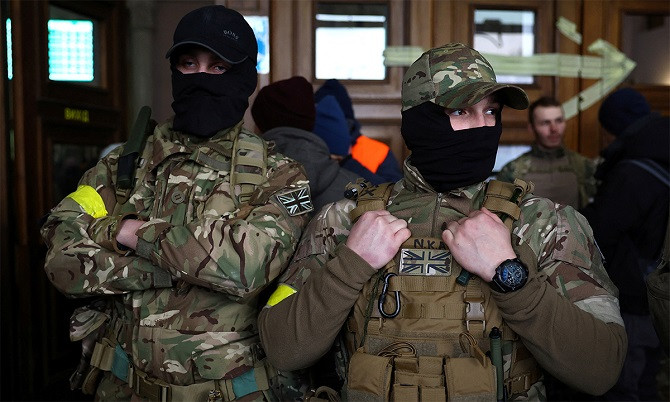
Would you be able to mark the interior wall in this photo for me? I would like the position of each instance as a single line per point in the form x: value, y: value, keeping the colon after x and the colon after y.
x: 426, y: 26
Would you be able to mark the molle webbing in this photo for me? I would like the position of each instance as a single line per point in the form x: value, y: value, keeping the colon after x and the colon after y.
x: 248, y: 171
x: 503, y: 199
x: 368, y: 197
x: 431, y: 313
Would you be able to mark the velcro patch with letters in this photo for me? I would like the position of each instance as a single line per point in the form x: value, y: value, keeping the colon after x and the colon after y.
x: 297, y: 201
x: 416, y: 261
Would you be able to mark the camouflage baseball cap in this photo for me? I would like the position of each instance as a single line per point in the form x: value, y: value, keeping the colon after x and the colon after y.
x: 455, y: 75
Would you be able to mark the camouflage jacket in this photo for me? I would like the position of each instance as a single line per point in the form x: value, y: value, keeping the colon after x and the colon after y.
x: 546, y: 169
x: 186, y: 300
x: 562, y: 254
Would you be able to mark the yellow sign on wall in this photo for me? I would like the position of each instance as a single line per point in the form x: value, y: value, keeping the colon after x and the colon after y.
x: 80, y: 115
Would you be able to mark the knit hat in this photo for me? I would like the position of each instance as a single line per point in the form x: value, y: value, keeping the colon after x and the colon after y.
x: 285, y: 103
x: 331, y: 126
x: 453, y: 76
x: 621, y: 109
x: 222, y: 30
x: 335, y: 88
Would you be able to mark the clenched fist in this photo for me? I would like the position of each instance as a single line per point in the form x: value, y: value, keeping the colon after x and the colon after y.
x: 377, y: 236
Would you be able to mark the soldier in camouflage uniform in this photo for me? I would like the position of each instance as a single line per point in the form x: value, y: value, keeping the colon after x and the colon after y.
x: 387, y: 281
x: 560, y: 174
x: 179, y: 261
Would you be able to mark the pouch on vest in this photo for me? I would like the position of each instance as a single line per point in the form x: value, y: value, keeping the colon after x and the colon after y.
x: 470, y: 376
x: 418, y: 379
x: 369, y: 377
x: 87, y: 323
x: 468, y: 379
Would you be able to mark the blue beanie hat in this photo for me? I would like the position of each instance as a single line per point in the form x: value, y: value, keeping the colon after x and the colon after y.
x: 335, y: 88
x: 621, y: 109
x: 331, y: 125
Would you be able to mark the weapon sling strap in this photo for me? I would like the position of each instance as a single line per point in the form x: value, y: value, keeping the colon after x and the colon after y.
x: 127, y: 163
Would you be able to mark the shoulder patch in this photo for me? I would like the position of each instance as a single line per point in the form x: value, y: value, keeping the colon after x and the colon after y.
x: 297, y: 201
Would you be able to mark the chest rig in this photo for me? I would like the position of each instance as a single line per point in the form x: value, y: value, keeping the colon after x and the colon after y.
x: 245, y: 171
x: 428, y: 325
x: 102, y: 328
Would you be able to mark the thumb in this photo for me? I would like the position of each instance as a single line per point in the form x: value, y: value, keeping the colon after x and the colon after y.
x: 447, y: 236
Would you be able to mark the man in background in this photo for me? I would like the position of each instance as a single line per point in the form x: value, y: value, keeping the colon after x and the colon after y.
x: 562, y: 175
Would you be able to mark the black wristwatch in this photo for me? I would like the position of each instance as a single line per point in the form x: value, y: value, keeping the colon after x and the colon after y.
x: 510, y: 275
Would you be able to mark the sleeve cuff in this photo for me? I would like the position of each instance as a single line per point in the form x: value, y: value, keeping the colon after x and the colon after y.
x: 356, y: 277
x: 148, y: 235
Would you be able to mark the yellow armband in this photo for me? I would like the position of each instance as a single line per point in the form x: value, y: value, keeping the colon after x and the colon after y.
x: 282, y: 292
x: 90, y: 201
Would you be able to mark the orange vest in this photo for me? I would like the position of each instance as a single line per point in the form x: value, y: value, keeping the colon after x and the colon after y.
x: 370, y: 153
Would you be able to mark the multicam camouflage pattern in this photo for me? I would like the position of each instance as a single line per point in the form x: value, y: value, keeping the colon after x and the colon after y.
x: 547, y: 165
x: 186, y: 303
x: 559, y: 239
x: 86, y: 319
x: 453, y: 76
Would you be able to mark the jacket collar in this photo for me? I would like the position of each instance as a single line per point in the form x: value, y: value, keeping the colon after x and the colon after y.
x: 167, y: 143
x: 535, y: 150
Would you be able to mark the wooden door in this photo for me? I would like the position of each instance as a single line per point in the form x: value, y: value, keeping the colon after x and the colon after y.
x: 61, y: 120
x: 611, y: 20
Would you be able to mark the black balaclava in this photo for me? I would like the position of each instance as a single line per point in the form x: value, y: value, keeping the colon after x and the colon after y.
x: 205, y: 103
x: 448, y: 159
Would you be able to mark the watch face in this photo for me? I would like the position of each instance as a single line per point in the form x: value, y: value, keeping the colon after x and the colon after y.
x: 510, y: 276
x: 513, y: 274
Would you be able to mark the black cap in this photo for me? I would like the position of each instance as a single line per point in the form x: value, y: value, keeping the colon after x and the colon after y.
x: 222, y: 30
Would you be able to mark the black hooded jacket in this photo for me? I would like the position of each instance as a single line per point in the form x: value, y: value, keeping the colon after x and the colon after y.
x: 629, y: 214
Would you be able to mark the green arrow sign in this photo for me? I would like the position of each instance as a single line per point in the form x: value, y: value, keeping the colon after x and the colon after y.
x: 610, y: 68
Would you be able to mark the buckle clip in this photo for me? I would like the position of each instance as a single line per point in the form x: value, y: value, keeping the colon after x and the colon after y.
x: 149, y: 388
x: 474, y: 311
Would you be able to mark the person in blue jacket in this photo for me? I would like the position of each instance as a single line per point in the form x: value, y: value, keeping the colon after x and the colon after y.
x: 372, y: 154
x: 331, y: 126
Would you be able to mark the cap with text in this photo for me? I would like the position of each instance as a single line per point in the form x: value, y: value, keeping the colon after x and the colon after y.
x: 222, y: 30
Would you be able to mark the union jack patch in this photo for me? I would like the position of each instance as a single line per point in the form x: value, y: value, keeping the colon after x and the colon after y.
x: 416, y: 261
x: 297, y: 201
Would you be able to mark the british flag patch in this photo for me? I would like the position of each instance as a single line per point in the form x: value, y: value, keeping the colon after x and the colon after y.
x: 414, y: 261
x: 297, y: 201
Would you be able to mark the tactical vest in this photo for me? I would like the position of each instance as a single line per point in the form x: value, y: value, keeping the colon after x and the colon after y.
x: 420, y: 331
x: 98, y: 325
